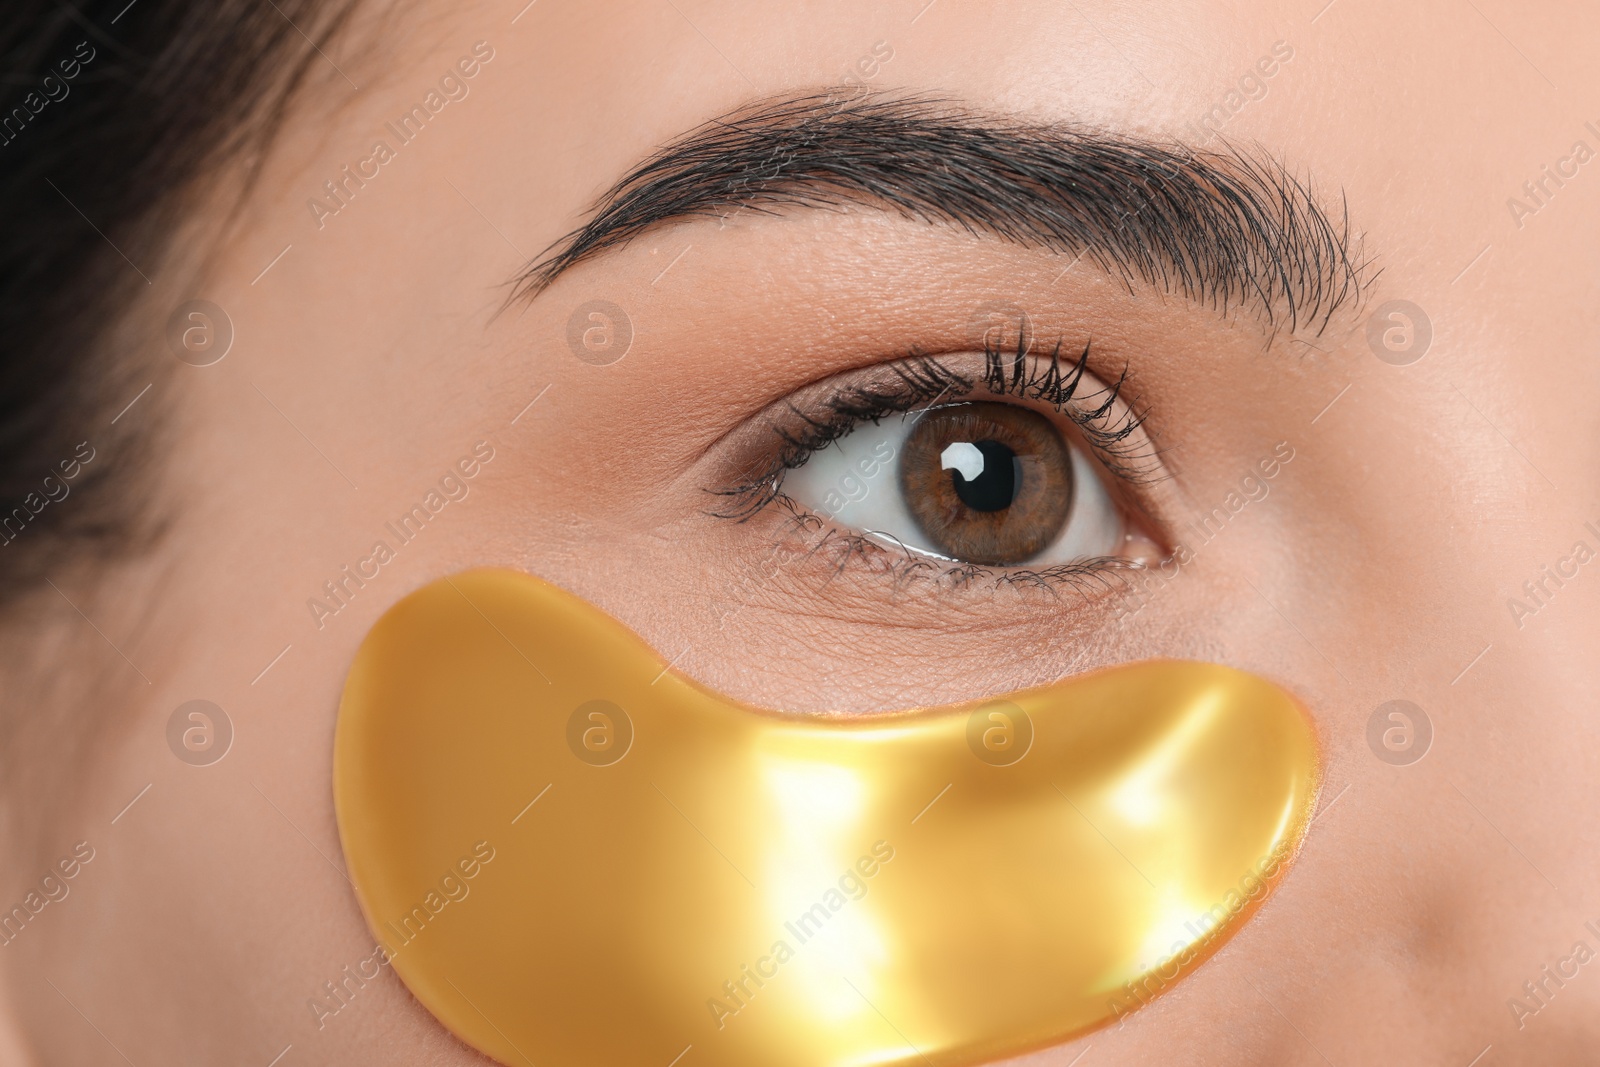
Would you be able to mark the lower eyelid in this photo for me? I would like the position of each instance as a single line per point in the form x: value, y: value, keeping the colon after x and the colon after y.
x: 809, y: 547
x: 827, y: 541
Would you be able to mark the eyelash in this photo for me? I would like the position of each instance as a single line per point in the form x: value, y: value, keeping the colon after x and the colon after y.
x: 923, y: 381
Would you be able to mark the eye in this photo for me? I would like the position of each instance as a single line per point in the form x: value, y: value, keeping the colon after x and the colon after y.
x: 1022, y: 467
x: 983, y: 482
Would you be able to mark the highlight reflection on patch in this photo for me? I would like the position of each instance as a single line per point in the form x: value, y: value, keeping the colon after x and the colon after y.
x: 910, y: 887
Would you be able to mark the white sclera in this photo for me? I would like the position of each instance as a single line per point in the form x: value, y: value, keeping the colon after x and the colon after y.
x: 855, y: 482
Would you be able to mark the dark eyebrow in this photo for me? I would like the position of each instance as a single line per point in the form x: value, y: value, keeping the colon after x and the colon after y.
x: 1224, y: 228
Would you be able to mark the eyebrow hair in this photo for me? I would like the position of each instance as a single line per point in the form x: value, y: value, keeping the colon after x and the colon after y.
x: 1222, y: 228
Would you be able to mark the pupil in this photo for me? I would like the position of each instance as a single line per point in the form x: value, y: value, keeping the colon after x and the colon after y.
x: 985, y: 474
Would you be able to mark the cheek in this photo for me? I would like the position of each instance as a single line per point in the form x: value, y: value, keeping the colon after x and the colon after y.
x: 435, y: 739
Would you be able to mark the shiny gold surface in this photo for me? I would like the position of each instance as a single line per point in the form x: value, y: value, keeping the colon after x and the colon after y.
x: 938, y: 886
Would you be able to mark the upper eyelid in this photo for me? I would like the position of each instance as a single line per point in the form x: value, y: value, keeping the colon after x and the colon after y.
x: 1042, y: 378
x: 750, y: 490
x: 1015, y: 371
x: 1080, y: 576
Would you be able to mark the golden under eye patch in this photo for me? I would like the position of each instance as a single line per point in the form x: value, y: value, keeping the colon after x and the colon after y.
x: 574, y: 855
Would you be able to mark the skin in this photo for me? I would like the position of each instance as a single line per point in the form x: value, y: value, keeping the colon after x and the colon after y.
x: 1378, y: 567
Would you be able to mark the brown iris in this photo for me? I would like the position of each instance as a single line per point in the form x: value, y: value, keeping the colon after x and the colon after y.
x: 987, y: 483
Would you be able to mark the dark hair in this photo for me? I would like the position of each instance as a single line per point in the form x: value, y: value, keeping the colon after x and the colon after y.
x: 109, y: 114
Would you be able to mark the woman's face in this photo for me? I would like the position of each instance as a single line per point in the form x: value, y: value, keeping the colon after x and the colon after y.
x: 1417, y: 538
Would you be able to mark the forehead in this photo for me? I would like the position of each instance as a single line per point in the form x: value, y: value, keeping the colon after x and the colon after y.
x: 579, y: 93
